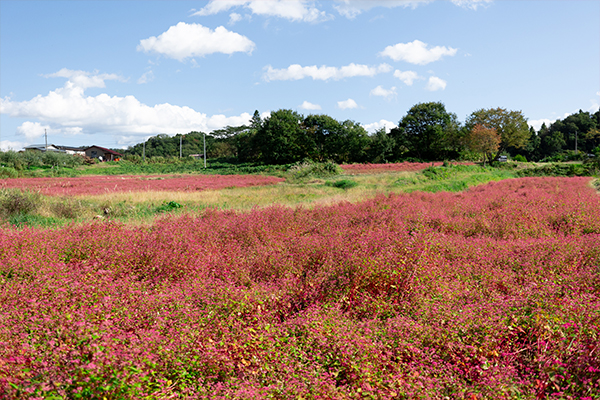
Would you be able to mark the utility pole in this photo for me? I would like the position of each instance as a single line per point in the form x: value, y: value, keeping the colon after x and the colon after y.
x: 180, y: 144
x: 205, y: 150
x: 46, y: 136
x: 575, y: 141
x: 144, y: 151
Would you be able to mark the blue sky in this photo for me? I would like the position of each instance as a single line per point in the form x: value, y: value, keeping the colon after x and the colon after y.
x: 113, y: 73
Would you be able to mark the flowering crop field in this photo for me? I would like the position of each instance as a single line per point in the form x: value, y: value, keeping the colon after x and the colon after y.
x: 93, y: 185
x: 489, y: 293
x: 396, y: 167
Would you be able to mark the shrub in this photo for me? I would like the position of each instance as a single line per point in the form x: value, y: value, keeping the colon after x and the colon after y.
x: 66, y: 209
x: 307, y: 169
x: 342, y: 184
x: 8, y: 172
x: 17, y: 202
x: 168, y: 206
x: 520, y: 158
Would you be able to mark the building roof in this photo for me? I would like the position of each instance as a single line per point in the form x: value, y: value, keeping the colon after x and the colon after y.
x: 105, y: 150
x: 71, y: 148
x: 42, y: 147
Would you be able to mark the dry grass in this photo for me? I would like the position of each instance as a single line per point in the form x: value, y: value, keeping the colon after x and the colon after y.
x: 306, y: 194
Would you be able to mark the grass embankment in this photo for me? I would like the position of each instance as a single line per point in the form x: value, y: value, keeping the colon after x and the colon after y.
x: 301, y: 189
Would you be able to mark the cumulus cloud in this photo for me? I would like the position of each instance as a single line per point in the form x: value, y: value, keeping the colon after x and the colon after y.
x: 234, y: 17
x: 382, y: 123
x: 408, y: 77
x: 32, y: 130
x: 537, y: 123
x: 472, y: 4
x: 352, y: 8
x: 296, y: 72
x: 68, y: 110
x: 345, y: 104
x: 435, y: 83
x: 183, y: 40
x: 146, y: 77
x: 6, y: 145
x: 380, y: 91
x: 84, y: 79
x: 595, y: 104
x: 416, y: 52
x: 294, y: 10
x: 309, y: 106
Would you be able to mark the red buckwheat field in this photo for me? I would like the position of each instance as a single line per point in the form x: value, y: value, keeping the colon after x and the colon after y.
x: 490, y: 293
x: 93, y: 185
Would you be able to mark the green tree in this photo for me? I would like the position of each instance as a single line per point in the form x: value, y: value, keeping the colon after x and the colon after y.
x: 281, y: 139
x: 574, y: 129
x: 427, y: 132
x: 328, y: 139
x: 532, y: 148
x: 510, y: 125
x: 380, y: 148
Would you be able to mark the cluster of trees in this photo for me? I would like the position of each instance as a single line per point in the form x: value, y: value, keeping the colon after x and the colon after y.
x: 570, y: 137
x: 427, y: 132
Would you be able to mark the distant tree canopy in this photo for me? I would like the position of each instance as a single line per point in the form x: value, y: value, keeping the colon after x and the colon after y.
x: 483, y: 140
x: 427, y: 132
x: 511, y: 126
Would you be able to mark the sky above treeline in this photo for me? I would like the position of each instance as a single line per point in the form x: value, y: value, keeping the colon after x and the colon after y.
x: 114, y: 73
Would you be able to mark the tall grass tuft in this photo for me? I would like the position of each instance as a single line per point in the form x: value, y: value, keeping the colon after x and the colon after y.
x: 309, y: 169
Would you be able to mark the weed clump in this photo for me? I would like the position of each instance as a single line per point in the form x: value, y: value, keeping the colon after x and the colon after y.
x: 17, y: 202
x: 310, y: 169
x: 168, y: 207
x: 342, y: 184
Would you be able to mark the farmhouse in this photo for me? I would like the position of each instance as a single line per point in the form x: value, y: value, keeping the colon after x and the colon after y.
x: 43, y: 148
x: 102, y: 153
x: 72, y: 150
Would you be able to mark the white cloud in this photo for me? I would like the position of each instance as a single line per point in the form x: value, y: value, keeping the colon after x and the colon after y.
x: 84, y: 79
x: 537, y: 123
x: 68, y: 110
x: 408, y: 77
x: 352, y: 8
x: 435, y: 83
x: 294, y: 10
x: 595, y: 104
x: 380, y: 91
x: 416, y: 52
x: 32, y: 130
x: 234, y: 17
x: 371, y: 128
x: 194, y: 40
x: 6, y: 145
x: 345, y: 104
x: 215, y: 7
x: 309, y: 106
x: 146, y: 77
x: 472, y: 4
x: 296, y: 72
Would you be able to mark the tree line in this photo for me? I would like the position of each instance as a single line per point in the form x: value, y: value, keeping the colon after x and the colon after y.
x: 427, y: 132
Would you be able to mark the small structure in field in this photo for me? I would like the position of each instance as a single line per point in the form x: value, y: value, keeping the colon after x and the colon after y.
x: 102, y: 153
x: 43, y: 148
x: 72, y: 150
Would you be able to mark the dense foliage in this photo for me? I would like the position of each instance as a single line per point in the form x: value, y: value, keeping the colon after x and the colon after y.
x: 490, y: 293
x: 428, y: 132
